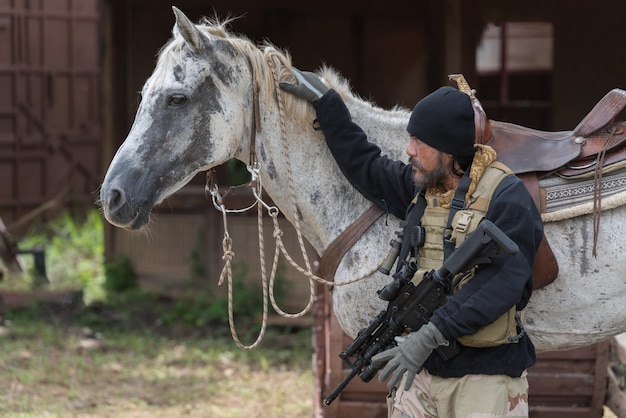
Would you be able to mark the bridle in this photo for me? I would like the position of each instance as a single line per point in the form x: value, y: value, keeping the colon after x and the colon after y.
x: 335, y: 251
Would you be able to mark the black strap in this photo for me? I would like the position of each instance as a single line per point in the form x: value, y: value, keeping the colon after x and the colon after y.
x: 414, y: 214
x: 457, y: 203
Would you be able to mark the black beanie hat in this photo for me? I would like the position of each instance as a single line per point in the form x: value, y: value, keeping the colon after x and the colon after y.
x: 444, y: 120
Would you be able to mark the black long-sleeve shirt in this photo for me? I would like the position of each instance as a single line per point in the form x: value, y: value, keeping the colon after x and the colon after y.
x: 496, y: 287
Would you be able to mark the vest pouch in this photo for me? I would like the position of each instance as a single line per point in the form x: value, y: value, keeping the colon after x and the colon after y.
x: 501, y: 331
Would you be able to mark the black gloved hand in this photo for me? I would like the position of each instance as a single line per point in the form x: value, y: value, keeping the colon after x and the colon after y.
x: 309, y: 86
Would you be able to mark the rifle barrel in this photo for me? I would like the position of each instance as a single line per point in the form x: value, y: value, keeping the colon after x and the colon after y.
x: 330, y: 398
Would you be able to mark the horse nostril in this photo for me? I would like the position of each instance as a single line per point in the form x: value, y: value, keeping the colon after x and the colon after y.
x: 116, y: 199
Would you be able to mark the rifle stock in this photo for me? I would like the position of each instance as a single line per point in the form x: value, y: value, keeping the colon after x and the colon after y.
x: 411, y: 306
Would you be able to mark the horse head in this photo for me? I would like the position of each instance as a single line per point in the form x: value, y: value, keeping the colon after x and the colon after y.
x: 191, y: 118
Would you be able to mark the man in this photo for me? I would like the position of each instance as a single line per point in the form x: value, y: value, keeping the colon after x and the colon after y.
x: 487, y: 378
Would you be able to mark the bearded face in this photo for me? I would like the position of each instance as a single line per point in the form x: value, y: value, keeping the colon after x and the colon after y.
x: 425, y: 178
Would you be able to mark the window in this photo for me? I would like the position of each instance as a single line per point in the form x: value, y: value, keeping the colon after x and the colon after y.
x: 514, y: 63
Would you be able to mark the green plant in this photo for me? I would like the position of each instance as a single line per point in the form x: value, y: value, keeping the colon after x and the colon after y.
x: 74, y: 251
x: 198, y: 267
x: 210, y: 307
x: 120, y: 275
x: 237, y: 172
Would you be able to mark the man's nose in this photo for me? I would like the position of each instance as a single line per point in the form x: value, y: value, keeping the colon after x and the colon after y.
x: 411, y: 149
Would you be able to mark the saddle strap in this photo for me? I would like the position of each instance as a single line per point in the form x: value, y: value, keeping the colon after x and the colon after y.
x: 546, y: 268
x: 337, y: 249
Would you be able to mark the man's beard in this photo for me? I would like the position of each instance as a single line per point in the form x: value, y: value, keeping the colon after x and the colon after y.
x: 425, y: 179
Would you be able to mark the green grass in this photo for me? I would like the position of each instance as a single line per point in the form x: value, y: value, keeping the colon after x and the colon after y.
x: 147, y: 369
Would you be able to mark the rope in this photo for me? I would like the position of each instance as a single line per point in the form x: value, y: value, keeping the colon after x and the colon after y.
x: 292, y: 193
x: 229, y: 255
x: 227, y: 271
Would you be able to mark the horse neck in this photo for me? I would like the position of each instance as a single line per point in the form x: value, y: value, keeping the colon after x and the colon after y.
x: 325, y: 202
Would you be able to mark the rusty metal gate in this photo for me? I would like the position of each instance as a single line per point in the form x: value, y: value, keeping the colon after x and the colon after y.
x: 50, y: 129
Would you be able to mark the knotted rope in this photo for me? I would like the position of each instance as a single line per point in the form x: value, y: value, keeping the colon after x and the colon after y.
x: 228, y: 253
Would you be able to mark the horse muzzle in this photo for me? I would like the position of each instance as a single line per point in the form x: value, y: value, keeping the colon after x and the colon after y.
x: 123, y: 212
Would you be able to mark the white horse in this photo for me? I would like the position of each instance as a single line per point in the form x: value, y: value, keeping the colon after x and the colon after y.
x: 198, y: 111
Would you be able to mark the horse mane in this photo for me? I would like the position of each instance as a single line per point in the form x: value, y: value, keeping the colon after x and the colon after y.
x: 272, y: 65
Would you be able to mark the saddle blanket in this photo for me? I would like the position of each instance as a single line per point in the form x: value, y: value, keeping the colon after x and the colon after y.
x: 567, y: 198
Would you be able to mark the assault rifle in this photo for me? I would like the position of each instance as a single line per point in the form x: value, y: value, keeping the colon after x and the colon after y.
x: 410, y: 306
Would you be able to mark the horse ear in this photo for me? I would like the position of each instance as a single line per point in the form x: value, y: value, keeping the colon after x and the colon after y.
x: 189, y: 31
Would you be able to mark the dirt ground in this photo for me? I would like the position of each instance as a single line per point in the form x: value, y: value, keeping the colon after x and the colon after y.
x: 53, y: 365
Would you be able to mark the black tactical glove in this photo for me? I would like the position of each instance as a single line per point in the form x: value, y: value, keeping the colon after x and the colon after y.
x: 309, y: 86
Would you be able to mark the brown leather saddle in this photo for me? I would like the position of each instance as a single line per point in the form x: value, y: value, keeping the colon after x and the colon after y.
x: 597, y: 143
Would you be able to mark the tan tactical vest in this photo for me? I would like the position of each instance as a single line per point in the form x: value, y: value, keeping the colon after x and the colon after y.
x: 434, y: 221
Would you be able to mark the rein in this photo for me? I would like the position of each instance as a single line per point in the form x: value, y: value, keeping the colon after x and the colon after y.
x: 337, y: 248
x: 597, y: 189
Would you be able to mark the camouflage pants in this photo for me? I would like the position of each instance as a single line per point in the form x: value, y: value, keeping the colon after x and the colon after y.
x: 471, y: 396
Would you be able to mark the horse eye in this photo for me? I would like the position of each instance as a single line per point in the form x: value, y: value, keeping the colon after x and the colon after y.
x: 177, y: 99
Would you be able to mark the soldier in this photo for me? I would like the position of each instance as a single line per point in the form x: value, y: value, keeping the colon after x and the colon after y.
x: 488, y: 376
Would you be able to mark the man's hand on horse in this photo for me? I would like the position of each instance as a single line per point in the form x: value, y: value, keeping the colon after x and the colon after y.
x: 309, y: 86
x: 409, y: 356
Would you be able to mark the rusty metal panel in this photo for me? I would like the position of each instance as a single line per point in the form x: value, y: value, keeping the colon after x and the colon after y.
x: 50, y: 133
